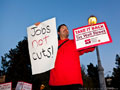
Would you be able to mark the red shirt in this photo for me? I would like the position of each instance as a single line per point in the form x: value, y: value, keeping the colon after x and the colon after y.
x: 67, y: 69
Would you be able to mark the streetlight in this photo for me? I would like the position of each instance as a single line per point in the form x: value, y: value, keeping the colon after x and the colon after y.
x: 91, y: 21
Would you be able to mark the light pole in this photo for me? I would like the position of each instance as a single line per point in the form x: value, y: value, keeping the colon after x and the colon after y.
x: 91, y: 21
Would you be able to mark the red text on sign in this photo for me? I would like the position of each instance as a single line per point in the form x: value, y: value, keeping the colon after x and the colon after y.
x: 36, y: 43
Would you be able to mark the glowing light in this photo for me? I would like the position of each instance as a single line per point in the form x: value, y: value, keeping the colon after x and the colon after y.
x: 92, y: 20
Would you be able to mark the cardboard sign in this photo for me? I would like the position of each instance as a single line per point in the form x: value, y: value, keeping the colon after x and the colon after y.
x: 23, y: 86
x: 43, y: 45
x: 6, y: 86
x: 94, y: 35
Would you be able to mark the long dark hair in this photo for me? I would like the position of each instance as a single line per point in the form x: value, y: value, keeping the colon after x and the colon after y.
x: 58, y: 30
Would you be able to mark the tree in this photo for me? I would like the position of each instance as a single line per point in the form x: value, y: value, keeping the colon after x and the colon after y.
x: 4, y: 66
x: 16, y: 64
x: 93, y: 75
x: 116, y: 73
x: 86, y: 79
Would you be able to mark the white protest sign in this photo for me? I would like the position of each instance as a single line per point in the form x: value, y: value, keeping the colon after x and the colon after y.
x: 27, y: 86
x: 19, y: 85
x: 43, y: 45
x: 23, y: 86
x: 6, y: 86
x: 94, y: 35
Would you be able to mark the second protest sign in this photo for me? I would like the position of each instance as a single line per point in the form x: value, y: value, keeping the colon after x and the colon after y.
x: 94, y: 35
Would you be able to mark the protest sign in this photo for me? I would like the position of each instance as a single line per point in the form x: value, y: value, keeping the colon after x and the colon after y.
x: 43, y: 44
x: 6, y: 86
x: 27, y: 86
x: 19, y: 85
x: 23, y: 86
x: 94, y: 35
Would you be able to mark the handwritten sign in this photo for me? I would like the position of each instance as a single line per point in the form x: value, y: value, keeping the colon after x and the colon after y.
x: 94, y: 35
x: 6, y: 86
x: 23, y: 86
x: 43, y: 44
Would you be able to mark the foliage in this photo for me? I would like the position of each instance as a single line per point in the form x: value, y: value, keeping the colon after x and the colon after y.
x: 86, y: 80
x: 16, y: 66
x: 16, y: 63
x: 90, y: 79
x: 93, y: 75
x: 116, y: 73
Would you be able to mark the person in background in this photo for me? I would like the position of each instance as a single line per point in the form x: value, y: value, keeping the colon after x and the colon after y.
x: 42, y: 86
x: 66, y: 75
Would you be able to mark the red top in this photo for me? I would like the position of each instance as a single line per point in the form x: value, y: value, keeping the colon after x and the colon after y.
x: 67, y: 69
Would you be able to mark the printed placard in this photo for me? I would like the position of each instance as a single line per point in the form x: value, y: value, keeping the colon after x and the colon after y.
x: 43, y: 45
x: 94, y: 35
x: 6, y: 86
x: 19, y: 86
x: 23, y: 86
x: 27, y: 86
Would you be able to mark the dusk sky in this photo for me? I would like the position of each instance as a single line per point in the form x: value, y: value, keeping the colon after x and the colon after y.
x: 17, y: 15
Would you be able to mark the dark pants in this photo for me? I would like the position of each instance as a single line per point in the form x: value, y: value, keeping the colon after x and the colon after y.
x: 67, y: 87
